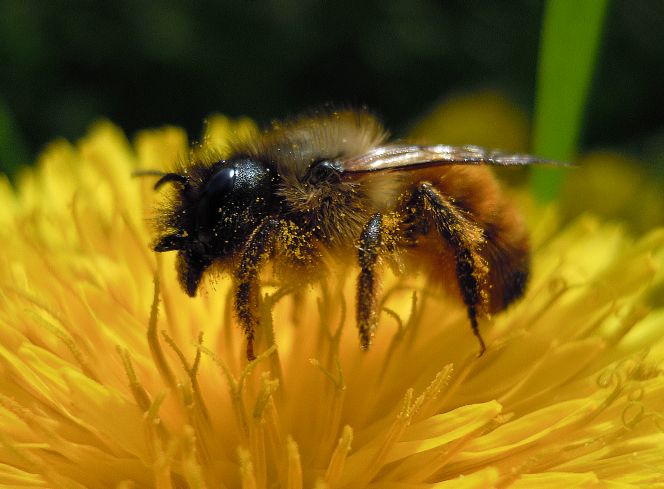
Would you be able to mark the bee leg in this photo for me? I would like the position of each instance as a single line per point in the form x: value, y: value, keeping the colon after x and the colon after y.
x: 258, y: 246
x: 466, y: 238
x: 370, y: 246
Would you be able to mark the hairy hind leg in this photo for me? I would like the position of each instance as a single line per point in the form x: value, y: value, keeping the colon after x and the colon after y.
x: 466, y: 238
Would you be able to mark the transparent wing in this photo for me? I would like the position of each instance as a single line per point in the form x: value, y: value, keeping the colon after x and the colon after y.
x: 397, y: 157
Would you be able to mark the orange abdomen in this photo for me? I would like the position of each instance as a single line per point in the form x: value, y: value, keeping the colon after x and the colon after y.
x: 505, y: 246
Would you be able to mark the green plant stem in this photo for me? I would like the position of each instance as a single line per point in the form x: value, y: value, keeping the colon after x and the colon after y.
x: 568, y: 53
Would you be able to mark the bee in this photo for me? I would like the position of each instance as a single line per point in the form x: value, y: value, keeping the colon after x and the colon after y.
x: 313, y: 191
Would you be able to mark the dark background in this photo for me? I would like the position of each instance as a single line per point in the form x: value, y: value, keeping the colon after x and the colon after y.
x: 142, y: 63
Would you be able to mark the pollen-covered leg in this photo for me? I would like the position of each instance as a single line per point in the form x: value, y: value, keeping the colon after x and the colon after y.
x: 287, y: 242
x: 371, y: 245
x: 466, y: 239
x: 258, y: 246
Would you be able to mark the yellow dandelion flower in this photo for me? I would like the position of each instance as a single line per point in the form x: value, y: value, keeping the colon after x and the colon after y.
x: 110, y: 376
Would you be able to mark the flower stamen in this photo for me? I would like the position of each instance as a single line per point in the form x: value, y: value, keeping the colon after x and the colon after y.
x: 153, y: 340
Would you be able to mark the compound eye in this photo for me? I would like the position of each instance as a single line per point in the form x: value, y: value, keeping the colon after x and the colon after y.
x: 324, y: 171
x: 221, y: 182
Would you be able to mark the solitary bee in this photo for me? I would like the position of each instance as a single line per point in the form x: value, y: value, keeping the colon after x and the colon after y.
x: 324, y: 187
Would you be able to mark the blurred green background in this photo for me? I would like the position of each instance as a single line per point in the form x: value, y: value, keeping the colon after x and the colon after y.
x: 141, y: 63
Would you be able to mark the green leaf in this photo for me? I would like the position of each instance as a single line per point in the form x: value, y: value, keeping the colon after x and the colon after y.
x: 568, y: 53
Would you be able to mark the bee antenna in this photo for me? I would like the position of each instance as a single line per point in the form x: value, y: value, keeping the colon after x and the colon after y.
x: 165, y: 177
x: 144, y: 172
x: 171, y: 177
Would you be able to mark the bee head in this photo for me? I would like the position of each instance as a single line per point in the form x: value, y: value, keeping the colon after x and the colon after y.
x: 215, y: 210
